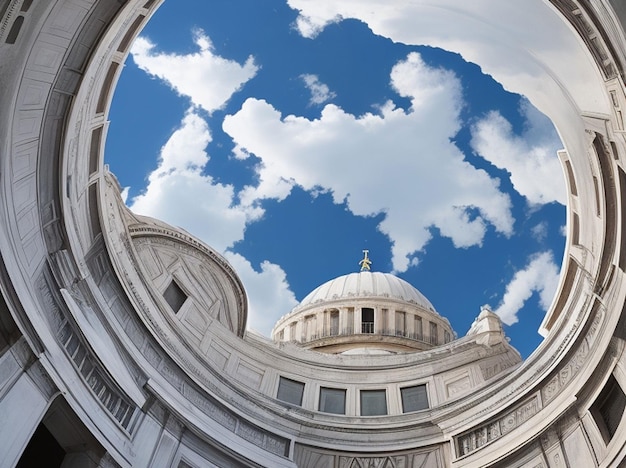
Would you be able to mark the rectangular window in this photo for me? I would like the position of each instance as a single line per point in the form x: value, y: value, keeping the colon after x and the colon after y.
x: 175, y: 296
x: 373, y: 402
x: 433, y: 334
x: 332, y: 400
x: 290, y: 391
x: 446, y: 336
x: 94, y: 213
x: 334, y: 322
x: 419, y: 334
x: 292, y: 331
x: 608, y: 409
x: 414, y: 398
x: 400, y: 323
x: 367, y: 320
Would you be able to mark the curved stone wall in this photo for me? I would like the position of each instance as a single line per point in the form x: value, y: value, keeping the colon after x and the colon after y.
x: 80, y: 325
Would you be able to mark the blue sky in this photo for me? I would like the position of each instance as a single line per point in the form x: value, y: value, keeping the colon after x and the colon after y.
x: 290, y: 137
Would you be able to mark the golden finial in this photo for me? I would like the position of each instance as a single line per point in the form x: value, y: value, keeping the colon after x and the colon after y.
x: 366, y: 262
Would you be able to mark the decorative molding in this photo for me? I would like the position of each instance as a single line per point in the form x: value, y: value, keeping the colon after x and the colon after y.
x: 43, y: 381
x: 571, y: 367
x: 86, y: 364
x: 266, y: 440
x: 492, y: 367
x: 576, y: 15
x: 9, y: 14
x: 487, y: 433
x: 311, y: 457
x: 137, y: 231
x: 493, y: 430
x: 460, y: 385
x: 518, y: 384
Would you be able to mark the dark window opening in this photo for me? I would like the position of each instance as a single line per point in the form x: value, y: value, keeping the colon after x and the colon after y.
x: 414, y: 398
x: 130, y: 33
x: 367, y: 320
x: 608, y: 409
x: 373, y: 402
x: 332, y: 400
x: 42, y: 450
x: 94, y: 149
x: 94, y: 213
x: 15, y: 30
x: 175, y: 296
x: 290, y: 391
x: 106, y: 87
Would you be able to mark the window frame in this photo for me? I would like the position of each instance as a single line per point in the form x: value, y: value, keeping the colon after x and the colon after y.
x: 372, y: 392
x: 403, y: 399
x: 174, y: 301
x: 330, y: 391
x: 287, y: 382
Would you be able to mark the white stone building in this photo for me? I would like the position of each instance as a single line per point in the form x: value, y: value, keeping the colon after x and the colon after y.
x: 123, y: 342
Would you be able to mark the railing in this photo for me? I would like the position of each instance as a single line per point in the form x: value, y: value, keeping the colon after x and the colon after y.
x: 367, y: 328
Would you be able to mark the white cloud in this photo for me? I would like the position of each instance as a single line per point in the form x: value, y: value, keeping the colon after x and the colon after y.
x: 540, y: 231
x: 178, y: 182
x: 311, y: 23
x: 526, y: 46
x: 530, y: 158
x: 124, y: 194
x: 540, y: 276
x: 207, y: 79
x: 320, y: 92
x: 269, y: 296
x: 403, y: 164
x: 210, y: 214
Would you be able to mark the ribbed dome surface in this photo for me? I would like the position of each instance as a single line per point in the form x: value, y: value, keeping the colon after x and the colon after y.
x: 366, y: 284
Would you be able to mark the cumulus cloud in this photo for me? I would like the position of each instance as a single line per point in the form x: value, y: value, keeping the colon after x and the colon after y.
x: 400, y: 163
x: 530, y: 158
x: 525, y: 46
x: 177, y: 182
x: 207, y: 79
x: 540, y: 231
x: 320, y: 92
x: 540, y: 276
x: 268, y: 292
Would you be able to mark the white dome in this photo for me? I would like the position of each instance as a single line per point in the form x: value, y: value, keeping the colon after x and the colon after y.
x: 366, y: 284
